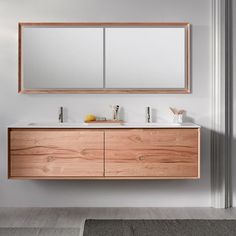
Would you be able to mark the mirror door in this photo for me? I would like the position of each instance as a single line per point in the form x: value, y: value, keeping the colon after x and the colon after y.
x: 145, y: 58
x: 62, y: 58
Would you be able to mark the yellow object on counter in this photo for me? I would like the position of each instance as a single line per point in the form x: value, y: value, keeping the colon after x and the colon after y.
x: 90, y: 117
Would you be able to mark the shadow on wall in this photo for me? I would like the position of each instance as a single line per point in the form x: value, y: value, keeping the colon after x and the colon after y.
x: 189, y: 119
x: 126, y: 192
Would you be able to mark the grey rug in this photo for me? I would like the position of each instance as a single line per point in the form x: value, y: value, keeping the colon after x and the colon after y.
x: 160, y: 228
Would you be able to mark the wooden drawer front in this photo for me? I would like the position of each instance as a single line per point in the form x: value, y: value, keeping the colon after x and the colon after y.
x: 56, y: 153
x: 152, y: 153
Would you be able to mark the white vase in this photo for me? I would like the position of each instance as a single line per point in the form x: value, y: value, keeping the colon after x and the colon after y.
x: 178, y: 118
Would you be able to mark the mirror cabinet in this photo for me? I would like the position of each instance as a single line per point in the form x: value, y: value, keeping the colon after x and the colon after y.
x: 104, y: 57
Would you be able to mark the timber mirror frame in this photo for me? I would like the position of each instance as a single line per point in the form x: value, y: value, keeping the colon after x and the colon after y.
x: 103, y: 25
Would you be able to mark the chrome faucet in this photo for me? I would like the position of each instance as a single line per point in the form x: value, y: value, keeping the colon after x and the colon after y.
x: 115, y: 112
x: 148, y: 115
x: 61, y: 115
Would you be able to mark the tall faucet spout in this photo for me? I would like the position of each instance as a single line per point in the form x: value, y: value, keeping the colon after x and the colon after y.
x: 61, y: 115
x: 148, y: 115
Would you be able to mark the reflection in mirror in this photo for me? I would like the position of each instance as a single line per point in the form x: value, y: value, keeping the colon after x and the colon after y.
x: 62, y: 58
x: 145, y: 58
x: 104, y: 57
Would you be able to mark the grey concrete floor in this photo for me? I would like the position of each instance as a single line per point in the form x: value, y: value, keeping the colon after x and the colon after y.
x: 69, y: 221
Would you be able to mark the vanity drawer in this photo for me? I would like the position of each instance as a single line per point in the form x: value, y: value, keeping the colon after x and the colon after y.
x: 164, y: 153
x: 55, y: 153
x: 63, y: 153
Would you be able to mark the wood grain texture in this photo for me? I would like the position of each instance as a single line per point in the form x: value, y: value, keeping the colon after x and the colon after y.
x: 104, y: 91
x: 44, y: 153
x: 105, y: 24
x: 55, y: 153
x: 20, y: 56
x: 156, y: 152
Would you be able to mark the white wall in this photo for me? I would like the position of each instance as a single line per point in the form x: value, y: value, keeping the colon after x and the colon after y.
x: 15, y: 107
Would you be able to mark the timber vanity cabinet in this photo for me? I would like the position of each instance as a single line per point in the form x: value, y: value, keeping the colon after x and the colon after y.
x: 102, y: 56
x: 104, y: 153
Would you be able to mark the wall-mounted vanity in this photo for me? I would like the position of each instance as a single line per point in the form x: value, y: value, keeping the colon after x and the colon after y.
x: 130, y: 151
x: 104, y: 58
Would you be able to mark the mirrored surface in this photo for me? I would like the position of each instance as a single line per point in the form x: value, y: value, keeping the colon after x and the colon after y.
x: 62, y: 58
x: 104, y: 57
x: 145, y: 58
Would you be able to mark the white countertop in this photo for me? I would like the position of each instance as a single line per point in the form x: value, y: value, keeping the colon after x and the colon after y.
x: 102, y: 126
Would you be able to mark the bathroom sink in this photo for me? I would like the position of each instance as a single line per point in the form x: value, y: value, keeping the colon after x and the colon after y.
x: 153, y: 124
x: 109, y: 125
x: 74, y: 124
x: 101, y: 125
x: 65, y: 124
